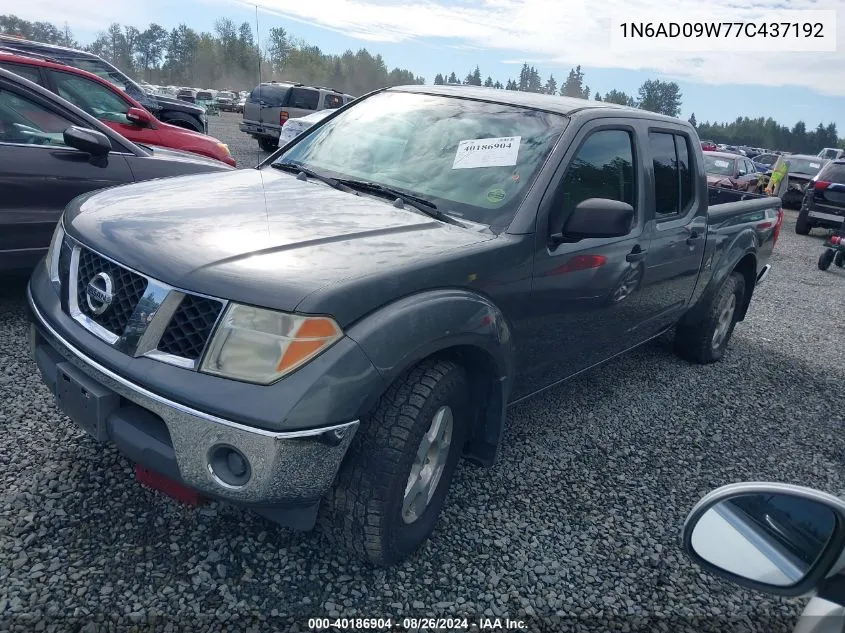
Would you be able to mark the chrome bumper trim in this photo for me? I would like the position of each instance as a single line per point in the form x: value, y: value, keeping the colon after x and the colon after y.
x: 286, y: 465
x: 763, y: 274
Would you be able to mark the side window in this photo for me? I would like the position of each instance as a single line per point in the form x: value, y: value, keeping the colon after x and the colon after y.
x: 304, y: 98
x: 26, y: 122
x: 673, y: 181
x: 25, y: 71
x: 90, y: 96
x: 666, y: 181
x: 603, y: 168
x: 332, y: 101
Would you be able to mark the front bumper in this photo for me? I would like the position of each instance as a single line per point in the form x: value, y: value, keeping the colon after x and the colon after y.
x: 288, y: 468
x: 256, y: 129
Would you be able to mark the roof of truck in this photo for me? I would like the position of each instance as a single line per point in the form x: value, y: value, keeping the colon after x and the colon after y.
x: 549, y: 103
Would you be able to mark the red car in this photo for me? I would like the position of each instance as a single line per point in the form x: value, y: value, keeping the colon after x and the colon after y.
x: 708, y: 146
x: 112, y: 106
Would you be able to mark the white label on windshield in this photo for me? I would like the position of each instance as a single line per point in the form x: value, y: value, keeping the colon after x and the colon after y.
x: 722, y: 163
x: 815, y: 165
x: 487, y: 152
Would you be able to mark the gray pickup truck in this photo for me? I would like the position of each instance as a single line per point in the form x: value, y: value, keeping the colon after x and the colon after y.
x: 323, y: 337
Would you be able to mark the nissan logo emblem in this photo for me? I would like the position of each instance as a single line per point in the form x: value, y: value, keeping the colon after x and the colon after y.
x: 99, y: 293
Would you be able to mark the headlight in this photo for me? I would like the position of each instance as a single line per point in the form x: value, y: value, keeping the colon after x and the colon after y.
x: 260, y: 346
x: 52, y: 259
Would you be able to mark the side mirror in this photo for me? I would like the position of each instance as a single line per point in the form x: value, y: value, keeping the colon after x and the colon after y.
x: 87, y: 140
x: 597, y: 217
x: 139, y: 116
x: 774, y: 538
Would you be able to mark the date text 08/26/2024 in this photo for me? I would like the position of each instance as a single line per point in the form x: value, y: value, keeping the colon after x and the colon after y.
x: 417, y: 624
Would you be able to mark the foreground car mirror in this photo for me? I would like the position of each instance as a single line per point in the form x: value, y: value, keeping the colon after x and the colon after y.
x: 87, y: 140
x: 139, y: 116
x: 774, y: 538
x: 596, y: 217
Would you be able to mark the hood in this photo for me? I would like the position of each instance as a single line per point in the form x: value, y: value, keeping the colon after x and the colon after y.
x: 175, y: 155
x: 259, y: 236
x: 188, y: 136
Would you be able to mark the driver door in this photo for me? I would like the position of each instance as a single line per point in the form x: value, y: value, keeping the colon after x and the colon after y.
x: 39, y: 174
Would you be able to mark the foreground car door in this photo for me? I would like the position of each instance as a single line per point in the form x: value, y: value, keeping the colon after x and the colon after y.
x: 39, y: 174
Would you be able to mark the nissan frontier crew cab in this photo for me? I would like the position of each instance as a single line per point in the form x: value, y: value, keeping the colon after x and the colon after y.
x: 323, y: 337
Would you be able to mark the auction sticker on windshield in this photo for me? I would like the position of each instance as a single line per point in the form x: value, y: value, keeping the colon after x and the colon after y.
x: 487, y: 152
x: 722, y: 163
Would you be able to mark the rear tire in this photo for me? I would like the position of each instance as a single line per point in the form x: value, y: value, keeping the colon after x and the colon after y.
x: 705, y: 342
x: 839, y: 259
x: 802, y: 224
x: 268, y: 144
x: 373, y: 511
x: 826, y: 258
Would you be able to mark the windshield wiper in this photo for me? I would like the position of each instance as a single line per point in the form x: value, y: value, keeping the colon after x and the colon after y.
x: 310, y: 173
x: 420, y: 204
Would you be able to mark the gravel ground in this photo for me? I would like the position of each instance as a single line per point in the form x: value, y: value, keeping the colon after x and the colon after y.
x: 580, y: 519
x: 244, y: 148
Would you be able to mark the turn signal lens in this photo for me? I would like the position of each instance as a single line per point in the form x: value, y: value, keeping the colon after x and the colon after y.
x: 261, y: 346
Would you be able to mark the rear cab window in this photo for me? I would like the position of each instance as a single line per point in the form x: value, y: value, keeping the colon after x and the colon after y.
x: 673, y: 188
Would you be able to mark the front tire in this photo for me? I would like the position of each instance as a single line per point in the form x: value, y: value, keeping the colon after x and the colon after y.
x: 826, y: 258
x: 705, y: 342
x: 394, y: 482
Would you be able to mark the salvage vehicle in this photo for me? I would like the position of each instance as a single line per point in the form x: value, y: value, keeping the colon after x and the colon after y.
x: 802, y: 169
x: 730, y: 171
x: 778, y: 539
x: 113, y: 107
x: 824, y: 200
x: 322, y: 338
x: 294, y: 127
x: 226, y: 101
x: 52, y: 151
x: 166, y: 109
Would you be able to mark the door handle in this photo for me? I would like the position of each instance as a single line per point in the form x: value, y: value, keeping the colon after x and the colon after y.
x: 636, y: 254
x: 693, y: 236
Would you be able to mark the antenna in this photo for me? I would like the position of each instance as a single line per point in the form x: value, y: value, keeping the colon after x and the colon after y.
x: 260, y: 100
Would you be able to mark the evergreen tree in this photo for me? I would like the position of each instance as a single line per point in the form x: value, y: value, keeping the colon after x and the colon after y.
x: 438, y: 80
x: 692, y: 120
x: 551, y: 86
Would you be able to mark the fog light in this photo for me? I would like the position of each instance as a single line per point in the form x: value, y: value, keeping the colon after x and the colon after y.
x: 228, y: 466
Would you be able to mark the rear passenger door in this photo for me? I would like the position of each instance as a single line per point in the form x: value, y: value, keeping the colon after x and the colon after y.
x: 302, y: 102
x: 678, y: 198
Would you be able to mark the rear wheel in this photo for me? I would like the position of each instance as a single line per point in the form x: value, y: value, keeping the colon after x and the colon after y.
x: 706, y: 341
x: 802, y: 223
x: 268, y: 144
x: 826, y: 259
x: 838, y: 259
x: 393, y: 484
x: 187, y: 125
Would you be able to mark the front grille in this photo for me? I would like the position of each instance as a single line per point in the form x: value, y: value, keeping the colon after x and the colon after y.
x: 128, y: 288
x: 190, y: 327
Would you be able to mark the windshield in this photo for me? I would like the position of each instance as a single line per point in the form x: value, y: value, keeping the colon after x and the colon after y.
x: 833, y: 172
x: 472, y: 159
x: 809, y: 166
x: 718, y: 165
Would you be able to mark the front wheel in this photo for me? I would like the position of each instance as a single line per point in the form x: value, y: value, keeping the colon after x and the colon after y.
x: 393, y: 484
x: 802, y: 222
x: 706, y: 340
x: 826, y: 259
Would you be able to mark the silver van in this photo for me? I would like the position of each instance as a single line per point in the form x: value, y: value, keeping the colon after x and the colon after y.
x: 272, y: 103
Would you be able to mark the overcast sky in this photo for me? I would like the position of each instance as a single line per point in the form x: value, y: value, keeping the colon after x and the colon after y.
x: 444, y: 35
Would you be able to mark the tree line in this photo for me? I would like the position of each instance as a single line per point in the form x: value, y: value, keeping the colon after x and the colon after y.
x: 654, y: 95
x: 230, y: 57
